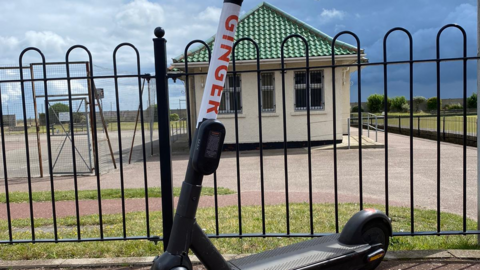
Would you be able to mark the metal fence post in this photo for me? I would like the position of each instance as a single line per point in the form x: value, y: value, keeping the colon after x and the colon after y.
x: 444, y: 127
x: 376, y: 128
x: 418, y: 125
x: 160, y: 54
x: 478, y: 123
x: 368, y: 125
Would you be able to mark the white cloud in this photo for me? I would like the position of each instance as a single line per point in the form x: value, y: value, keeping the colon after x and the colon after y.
x: 8, y: 42
x: 138, y: 15
x: 210, y: 14
x: 47, y: 39
x: 328, y: 15
x: 55, y: 25
x: 11, y: 92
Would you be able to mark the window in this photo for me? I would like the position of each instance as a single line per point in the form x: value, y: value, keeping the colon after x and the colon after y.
x: 268, y: 92
x: 316, y: 90
x: 227, y: 104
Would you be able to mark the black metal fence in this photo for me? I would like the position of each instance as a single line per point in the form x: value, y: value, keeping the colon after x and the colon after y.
x: 449, y: 124
x: 164, y: 142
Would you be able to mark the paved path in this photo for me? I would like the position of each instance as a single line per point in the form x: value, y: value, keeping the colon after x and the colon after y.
x: 430, y: 265
x: 397, y: 260
x: 450, y: 264
x: 373, y: 177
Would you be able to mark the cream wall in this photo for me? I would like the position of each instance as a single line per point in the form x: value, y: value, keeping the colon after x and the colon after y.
x: 272, y: 122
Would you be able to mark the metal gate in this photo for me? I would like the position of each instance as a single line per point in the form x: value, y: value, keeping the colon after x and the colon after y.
x: 65, y: 144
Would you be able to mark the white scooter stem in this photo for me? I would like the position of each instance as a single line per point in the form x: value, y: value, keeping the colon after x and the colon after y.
x: 217, y: 71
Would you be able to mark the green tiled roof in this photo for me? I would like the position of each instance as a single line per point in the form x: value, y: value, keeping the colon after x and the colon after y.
x: 269, y: 26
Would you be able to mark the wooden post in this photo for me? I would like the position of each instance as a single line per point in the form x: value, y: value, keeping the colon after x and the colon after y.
x: 37, y: 124
x: 92, y: 111
x: 135, y: 129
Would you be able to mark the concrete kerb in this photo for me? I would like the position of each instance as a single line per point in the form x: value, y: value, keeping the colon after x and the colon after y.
x: 147, y: 261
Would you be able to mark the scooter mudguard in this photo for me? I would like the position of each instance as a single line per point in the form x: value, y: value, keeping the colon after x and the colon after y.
x: 352, y: 232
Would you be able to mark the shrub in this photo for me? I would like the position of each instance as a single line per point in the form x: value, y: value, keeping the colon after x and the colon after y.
x: 405, y: 107
x: 472, y: 101
x: 174, y: 117
x: 397, y: 103
x: 355, y: 109
x: 374, y: 103
x: 457, y: 106
x: 417, y: 102
x: 389, y: 104
x: 432, y: 103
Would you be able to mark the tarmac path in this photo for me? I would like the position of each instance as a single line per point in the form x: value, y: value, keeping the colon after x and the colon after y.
x: 373, y: 178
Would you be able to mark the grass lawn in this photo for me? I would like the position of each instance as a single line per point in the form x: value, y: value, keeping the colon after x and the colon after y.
x: 155, y: 192
x: 453, y: 124
x: 425, y: 220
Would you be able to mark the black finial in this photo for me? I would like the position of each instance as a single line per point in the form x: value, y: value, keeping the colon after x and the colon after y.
x: 159, y: 32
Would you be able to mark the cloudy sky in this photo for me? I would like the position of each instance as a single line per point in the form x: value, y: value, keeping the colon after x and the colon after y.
x: 55, y: 25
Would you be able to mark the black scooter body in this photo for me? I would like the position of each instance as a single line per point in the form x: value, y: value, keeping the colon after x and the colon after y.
x: 348, y: 250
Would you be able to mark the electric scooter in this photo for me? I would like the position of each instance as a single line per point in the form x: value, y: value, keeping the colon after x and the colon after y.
x: 362, y: 244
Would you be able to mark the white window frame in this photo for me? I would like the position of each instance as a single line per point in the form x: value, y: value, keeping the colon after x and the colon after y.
x: 226, y: 104
x: 313, y: 87
x: 268, y: 88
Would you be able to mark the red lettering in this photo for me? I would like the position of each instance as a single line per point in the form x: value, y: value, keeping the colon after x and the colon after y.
x: 226, y: 56
x: 217, y: 88
x: 214, y: 108
x: 230, y: 26
x: 230, y: 38
x: 219, y: 76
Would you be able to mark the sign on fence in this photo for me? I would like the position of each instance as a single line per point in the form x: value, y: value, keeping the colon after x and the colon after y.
x: 100, y: 93
x: 64, y: 117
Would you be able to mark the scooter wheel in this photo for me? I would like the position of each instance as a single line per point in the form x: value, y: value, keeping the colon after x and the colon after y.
x: 376, y: 233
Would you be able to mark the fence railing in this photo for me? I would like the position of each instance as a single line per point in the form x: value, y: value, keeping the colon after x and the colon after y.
x: 164, y: 133
x: 449, y: 124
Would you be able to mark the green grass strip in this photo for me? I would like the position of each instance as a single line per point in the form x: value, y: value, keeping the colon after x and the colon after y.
x: 130, y: 193
x: 324, y: 221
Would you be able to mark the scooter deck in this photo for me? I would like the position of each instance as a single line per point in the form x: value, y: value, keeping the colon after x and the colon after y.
x: 304, y: 255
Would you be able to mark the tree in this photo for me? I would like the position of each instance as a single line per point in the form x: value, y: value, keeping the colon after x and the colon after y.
x: 41, y: 119
x: 417, y: 102
x: 374, y: 103
x: 355, y: 109
x: 174, y: 117
x: 457, y: 106
x: 78, y: 117
x: 472, y: 101
x: 397, y: 103
x: 389, y: 103
x: 54, y: 112
x: 432, y: 104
